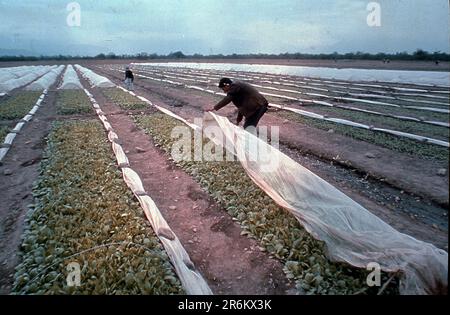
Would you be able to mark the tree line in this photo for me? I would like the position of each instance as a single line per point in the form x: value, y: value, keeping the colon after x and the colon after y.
x: 419, y: 54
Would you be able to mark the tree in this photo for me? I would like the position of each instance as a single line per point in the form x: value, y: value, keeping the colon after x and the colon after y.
x: 420, y: 54
x: 177, y: 55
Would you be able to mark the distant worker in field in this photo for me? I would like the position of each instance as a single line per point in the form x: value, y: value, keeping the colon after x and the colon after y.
x: 249, y: 102
x: 129, y: 79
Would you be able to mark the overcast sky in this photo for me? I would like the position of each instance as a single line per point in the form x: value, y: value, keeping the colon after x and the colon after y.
x: 222, y: 26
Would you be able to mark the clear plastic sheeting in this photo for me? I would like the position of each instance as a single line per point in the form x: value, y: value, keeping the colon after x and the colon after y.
x: 9, y: 73
x: 95, y: 79
x: 18, y: 71
x: 5, y: 76
x: 352, y: 234
x: 190, y: 277
x: 23, y: 76
x: 46, y: 81
x: 70, y: 80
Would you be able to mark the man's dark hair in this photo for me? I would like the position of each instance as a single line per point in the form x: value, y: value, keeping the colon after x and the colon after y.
x: 224, y: 81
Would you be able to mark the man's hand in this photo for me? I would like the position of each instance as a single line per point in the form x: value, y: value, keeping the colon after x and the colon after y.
x: 210, y: 109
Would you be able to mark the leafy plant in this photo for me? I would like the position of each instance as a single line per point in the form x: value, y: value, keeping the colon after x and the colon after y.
x: 84, y: 213
x: 123, y: 99
x: 18, y: 106
x: 3, y: 132
x: 69, y: 102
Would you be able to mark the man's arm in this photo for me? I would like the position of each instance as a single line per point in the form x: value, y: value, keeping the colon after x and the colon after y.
x: 226, y: 100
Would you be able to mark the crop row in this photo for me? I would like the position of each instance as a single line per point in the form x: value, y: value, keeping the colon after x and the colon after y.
x: 437, y: 132
x: 83, y: 213
x: 357, y: 110
x: 19, y: 105
x: 391, y: 142
x: 317, y: 85
x: 70, y: 102
x: 122, y: 99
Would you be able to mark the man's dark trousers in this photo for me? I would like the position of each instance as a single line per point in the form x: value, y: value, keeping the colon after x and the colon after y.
x: 254, y: 119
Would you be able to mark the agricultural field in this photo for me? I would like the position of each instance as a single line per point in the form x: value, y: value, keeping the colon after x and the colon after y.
x: 178, y: 92
x: 90, y: 181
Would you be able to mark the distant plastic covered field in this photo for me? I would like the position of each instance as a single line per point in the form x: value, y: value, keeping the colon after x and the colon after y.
x: 398, y: 76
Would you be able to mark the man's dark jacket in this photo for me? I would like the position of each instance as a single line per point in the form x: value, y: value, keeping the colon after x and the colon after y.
x: 129, y: 74
x: 246, y: 98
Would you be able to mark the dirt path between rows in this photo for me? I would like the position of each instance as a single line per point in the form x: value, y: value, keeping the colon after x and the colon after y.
x: 22, y: 165
x: 409, y: 214
x: 231, y: 263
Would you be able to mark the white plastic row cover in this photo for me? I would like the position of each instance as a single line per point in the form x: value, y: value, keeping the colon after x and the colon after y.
x: 95, y: 79
x: 46, y: 81
x: 70, y: 80
x: 27, y: 75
